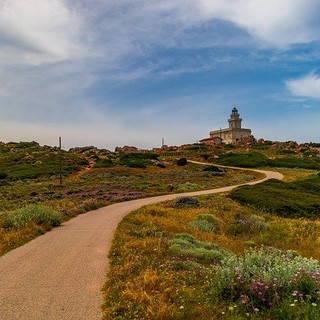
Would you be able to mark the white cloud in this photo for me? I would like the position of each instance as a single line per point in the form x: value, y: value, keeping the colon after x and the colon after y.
x: 307, y: 86
x: 37, y: 31
x: 274, y: 22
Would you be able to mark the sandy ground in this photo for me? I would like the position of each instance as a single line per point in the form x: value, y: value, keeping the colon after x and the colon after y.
x: 59, y: 275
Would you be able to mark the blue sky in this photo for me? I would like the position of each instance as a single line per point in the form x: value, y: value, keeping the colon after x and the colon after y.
x: 122, y: 72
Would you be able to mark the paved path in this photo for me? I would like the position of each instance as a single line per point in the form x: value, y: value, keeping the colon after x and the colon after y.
x: 59, y: 275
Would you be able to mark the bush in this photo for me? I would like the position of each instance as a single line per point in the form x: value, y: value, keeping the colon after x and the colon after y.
x: 245, y: 224
x: 294, y: 199
x: 182, y: 162
x: 103, y: 163
x: 212, y: 169
x: 186, y: 245
x: 204, y: 222
x: 185, y: 202
x: 3, y: 175
x: 32, y: 214
x: 137, y: 160
x: 267, y: 278
x: 256, y: 159
x: 188, y: 186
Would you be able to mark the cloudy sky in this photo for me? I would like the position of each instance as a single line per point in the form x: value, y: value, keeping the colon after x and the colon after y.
x: 131, y: 72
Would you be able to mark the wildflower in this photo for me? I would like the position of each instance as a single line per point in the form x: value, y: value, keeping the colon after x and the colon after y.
x: 256, y: 309
x: 295, y: 292
x: 231, y: 308
x: 313, y: 304
x: 260, y: 293
x: 292, y: 305
x: 181, y: 307
x: 266, y: 287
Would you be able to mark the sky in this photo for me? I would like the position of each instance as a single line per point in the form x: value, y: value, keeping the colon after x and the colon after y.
x: 130, y: 72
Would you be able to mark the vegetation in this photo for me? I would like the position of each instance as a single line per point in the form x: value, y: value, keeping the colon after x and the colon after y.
x: 248, y: 256
x: 22, y: 225
x: 182, y: 162
x: 92, y: 178
x: 165, y: 265
x: 32, y: 215
x: 293, y: 199
x: 256, y: 159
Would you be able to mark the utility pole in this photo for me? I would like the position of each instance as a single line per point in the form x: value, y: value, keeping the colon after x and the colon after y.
x: 60, y: 162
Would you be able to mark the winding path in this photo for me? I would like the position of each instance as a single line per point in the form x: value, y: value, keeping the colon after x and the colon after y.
x: 59, y: 275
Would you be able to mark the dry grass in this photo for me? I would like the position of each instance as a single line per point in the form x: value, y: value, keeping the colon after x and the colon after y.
x: 147, y: 281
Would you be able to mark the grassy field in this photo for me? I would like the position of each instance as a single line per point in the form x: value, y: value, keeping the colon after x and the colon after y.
x: 33, y: 179
x: 213, y: 259
x: 299, y: 198
x: 253, y: 255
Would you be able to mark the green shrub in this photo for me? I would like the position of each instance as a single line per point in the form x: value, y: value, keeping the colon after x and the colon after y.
x: 246, y: 160
x: 188, y: 186
x: 103, y: 163
x: 295, y: 199
x: 204, y: 222
x: 245, y: 224
x: 32, y: 214
x: 186, y: 245
x: 267, y: 279
x: 185, y: 202
x: 182, y: 162
x: 256, y: 159
x: 137, y: 160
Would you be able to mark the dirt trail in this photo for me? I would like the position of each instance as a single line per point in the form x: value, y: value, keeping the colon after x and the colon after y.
x: 59, y: 275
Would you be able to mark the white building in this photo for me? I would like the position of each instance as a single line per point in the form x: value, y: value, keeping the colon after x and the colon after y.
x: 234, y: 133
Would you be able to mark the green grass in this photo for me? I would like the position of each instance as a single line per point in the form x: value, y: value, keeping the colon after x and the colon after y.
x: 256, y: 159
x: 26, y: 160
x: 293, y: 199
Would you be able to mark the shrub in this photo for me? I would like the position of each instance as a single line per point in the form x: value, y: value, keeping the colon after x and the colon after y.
x: 204, y: 222
x: 32, y: 214
x: 255, y: 159
x: 103, y: 163
x: 182, y: 162
x: 295, y: 199
x: 212, y: 169
x: 185, y: 202
x: 186, y: 245
x: 3, y: 175
x: 188, y: 186
x: 266, y: 278
x: 137, y: 160
x: 245, y: 224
